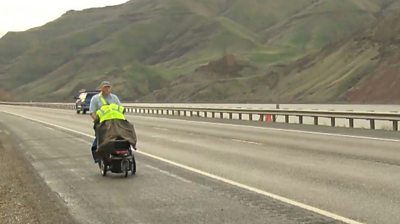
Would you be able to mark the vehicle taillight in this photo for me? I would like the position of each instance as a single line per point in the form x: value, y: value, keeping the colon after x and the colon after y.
x: 121, y: 152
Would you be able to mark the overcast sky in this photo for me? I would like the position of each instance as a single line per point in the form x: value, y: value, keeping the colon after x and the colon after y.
x: 20, y: 15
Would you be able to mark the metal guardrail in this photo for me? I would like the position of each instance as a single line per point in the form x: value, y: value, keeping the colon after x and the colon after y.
x: 270, y: 115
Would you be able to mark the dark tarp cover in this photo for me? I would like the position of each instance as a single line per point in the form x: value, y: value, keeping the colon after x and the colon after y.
x: 110, y: 130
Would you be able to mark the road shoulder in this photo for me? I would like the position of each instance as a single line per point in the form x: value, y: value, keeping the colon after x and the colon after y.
x: 24, y: 197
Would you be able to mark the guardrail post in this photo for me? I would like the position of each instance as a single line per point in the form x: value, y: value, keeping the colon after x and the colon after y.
x: 213, y: 114
x: 333, y: 122
x: 184, y: 113
x: 191, y: 113
x: 287, y: 119
x: 372, y: 124
x: 351, y: 122
x: 250, y: 117
x: 221, y: 115
x: 300, y: 119
x: 205, y: 114
x: 198, y: 113
x: 230, y: 116
x: 395, y: 125
x: 315, y: 120
x: 274, y: 117
x: 240, y: 116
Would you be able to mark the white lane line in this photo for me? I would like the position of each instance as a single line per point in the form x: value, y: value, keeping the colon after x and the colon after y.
x: 245, y: 141
x: 256, y: 190
x: 49, y: 128
x: 161, y: 129
x: 279, y: 129
x: 169, y: 174
x: 234, y: 183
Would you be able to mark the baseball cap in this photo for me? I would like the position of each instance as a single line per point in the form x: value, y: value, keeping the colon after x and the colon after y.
x: 104, y: 83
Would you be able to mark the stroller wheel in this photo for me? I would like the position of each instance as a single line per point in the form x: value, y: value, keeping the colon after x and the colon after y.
x: 133, y: 165
x: 126, y: 167
x: 102, y: 167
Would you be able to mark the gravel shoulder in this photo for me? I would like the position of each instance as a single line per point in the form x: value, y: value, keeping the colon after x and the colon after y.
x: 24, y: 196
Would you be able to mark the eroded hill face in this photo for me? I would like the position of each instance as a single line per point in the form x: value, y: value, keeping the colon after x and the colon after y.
x: 381, y: 83
x: 361, y: 69
x: 170, y: 50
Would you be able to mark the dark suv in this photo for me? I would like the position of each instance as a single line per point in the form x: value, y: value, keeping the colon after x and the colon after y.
x: 83, y: 100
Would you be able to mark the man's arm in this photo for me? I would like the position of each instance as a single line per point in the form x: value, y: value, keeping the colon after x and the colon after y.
x: 93, y: 115
x: 92, y: 108
x: 117, y: 100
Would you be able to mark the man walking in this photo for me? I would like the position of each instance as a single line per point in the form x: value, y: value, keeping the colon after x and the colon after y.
x: 96, y: 103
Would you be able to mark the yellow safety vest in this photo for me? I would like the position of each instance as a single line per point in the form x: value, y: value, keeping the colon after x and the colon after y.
x: 110, y: 111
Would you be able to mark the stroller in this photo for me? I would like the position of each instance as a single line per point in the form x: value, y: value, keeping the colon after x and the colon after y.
x: 120, y: 160
x: 116, y: 140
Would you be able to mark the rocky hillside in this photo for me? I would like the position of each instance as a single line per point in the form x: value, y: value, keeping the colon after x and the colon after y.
x: 203, y: 51
x: 361, y: 69
x: 381, y: 83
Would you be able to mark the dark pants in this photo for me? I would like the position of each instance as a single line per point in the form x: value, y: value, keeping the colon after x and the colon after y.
x: 94, y: 147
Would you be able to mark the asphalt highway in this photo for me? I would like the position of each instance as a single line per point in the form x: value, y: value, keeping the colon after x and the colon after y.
x: 191, y: 171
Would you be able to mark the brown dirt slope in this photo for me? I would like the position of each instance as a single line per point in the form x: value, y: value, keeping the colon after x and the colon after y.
x: 383, y: 85
x: 361, y: 69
